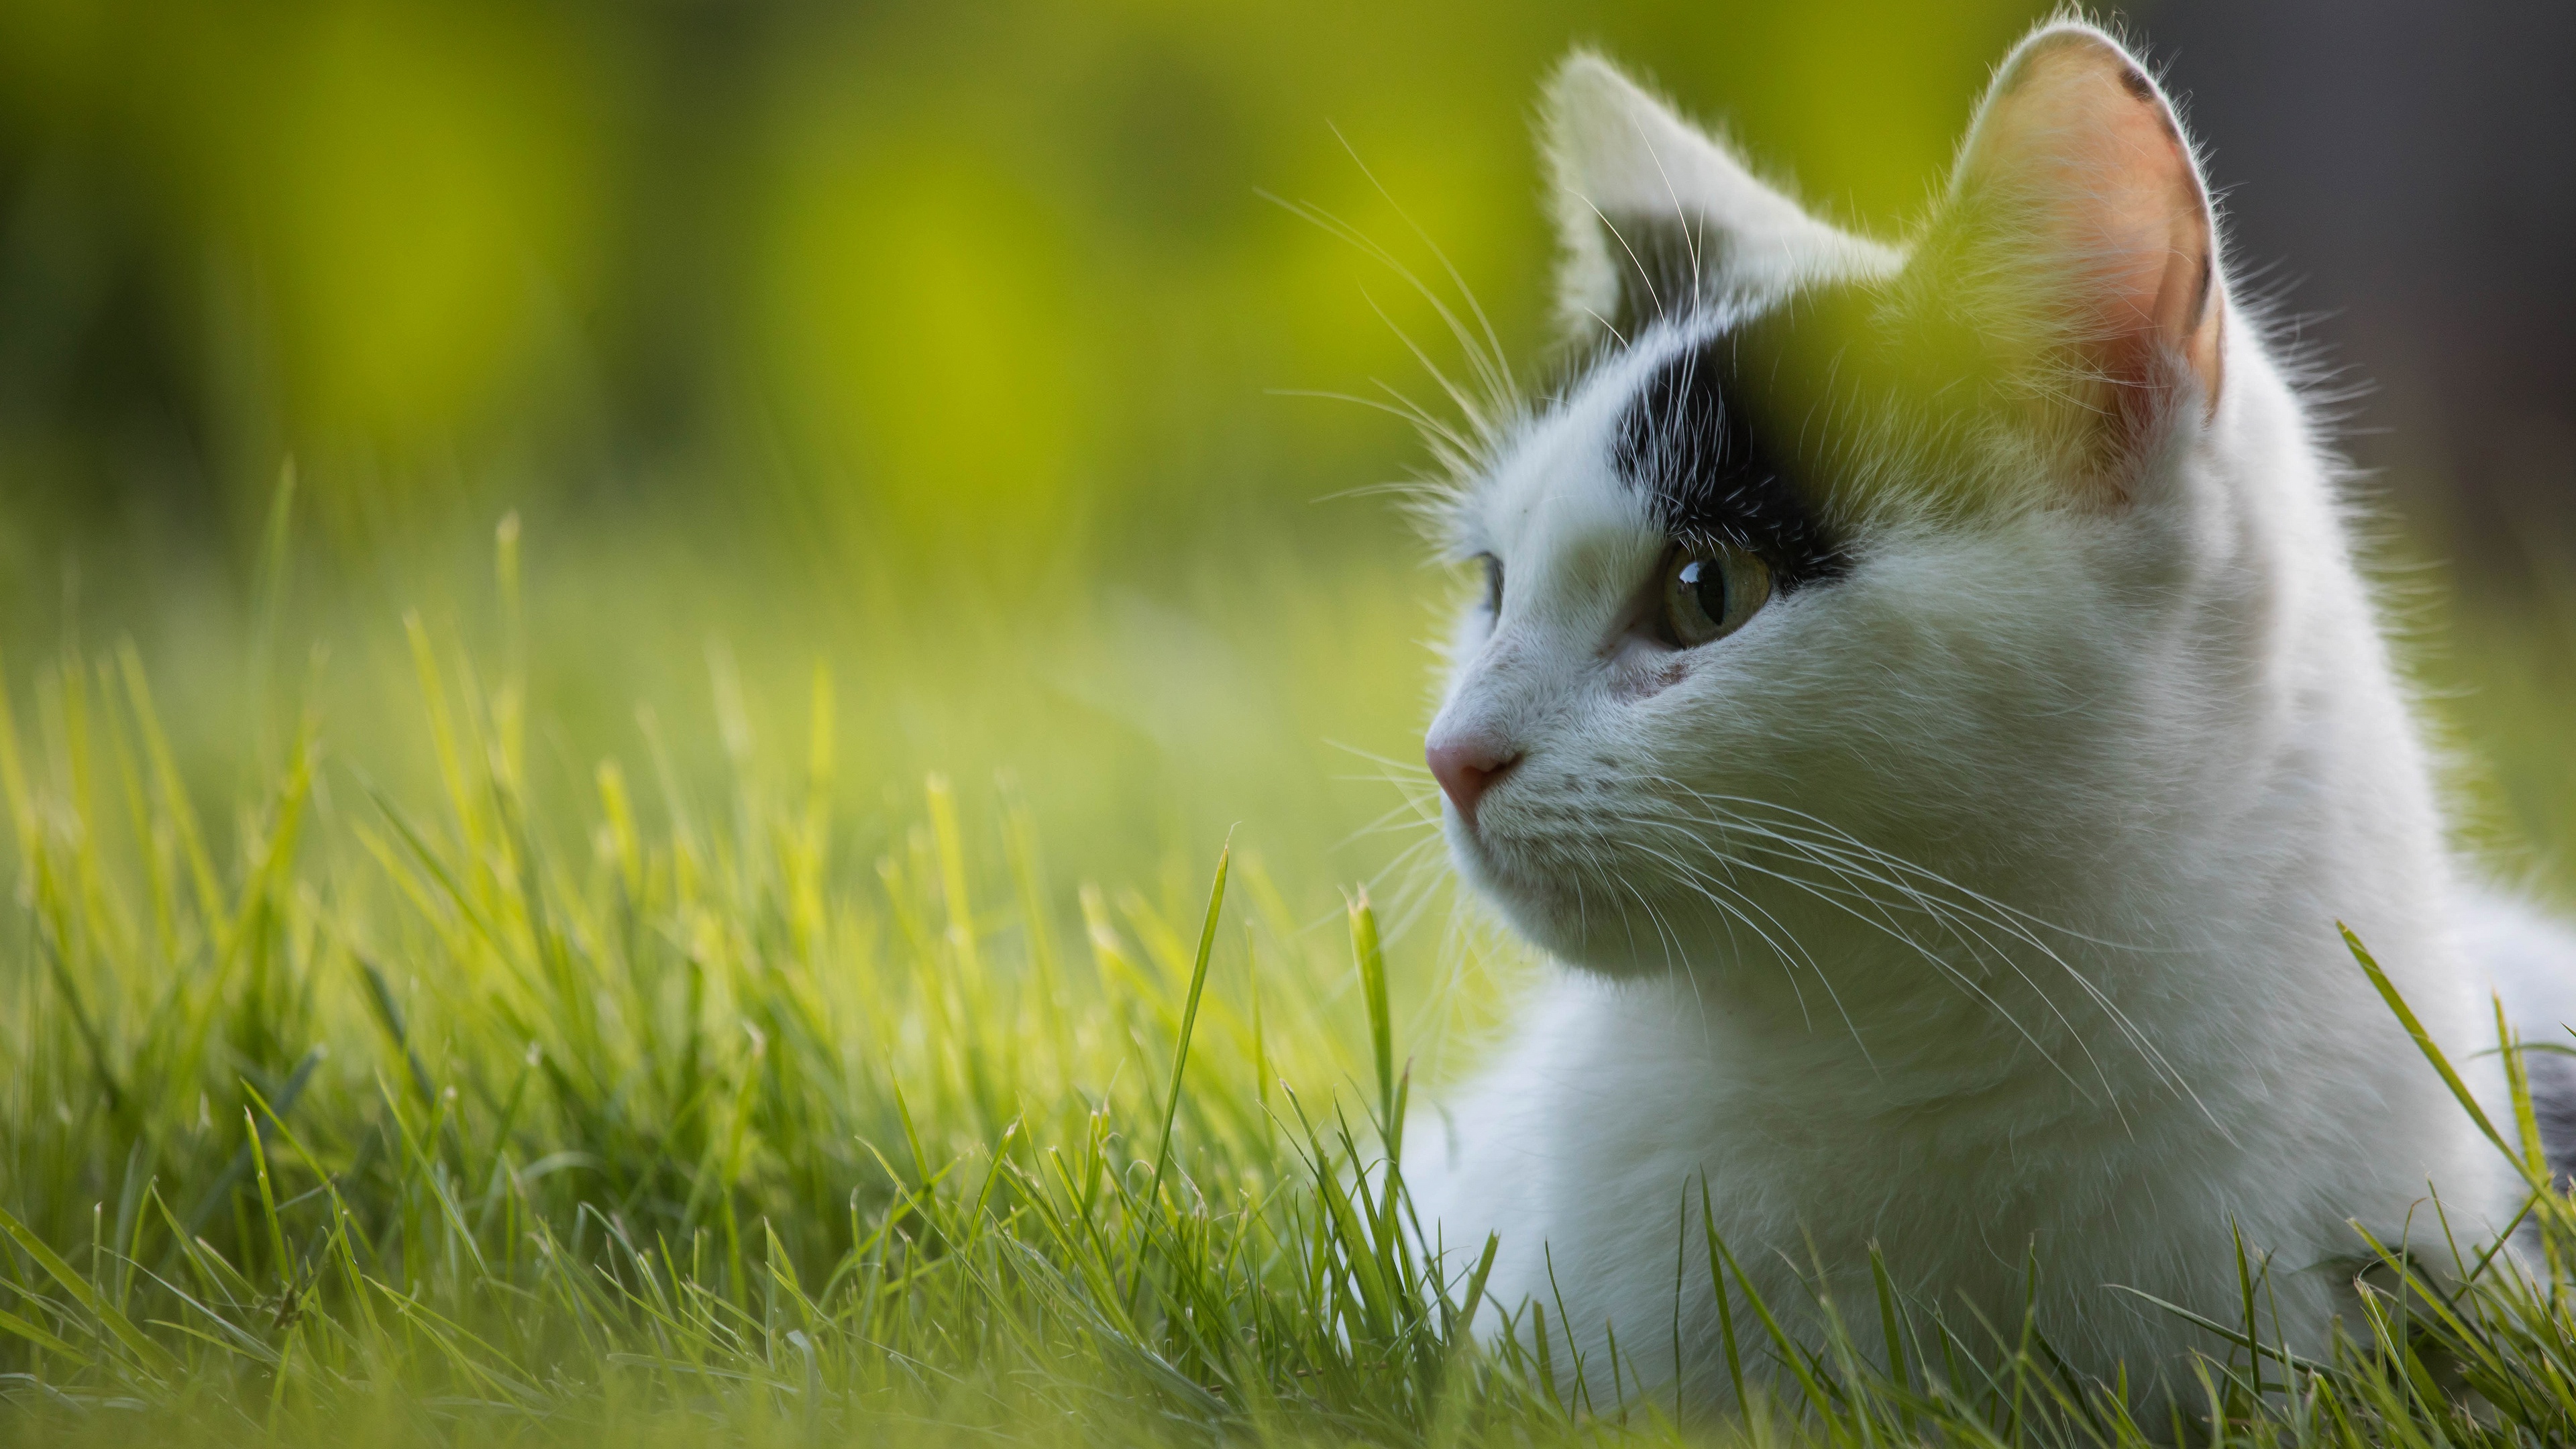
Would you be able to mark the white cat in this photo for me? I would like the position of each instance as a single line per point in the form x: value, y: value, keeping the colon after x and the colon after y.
x: 1925, y: 698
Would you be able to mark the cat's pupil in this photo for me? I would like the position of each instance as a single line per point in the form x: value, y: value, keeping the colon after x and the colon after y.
x: 1707, y: 584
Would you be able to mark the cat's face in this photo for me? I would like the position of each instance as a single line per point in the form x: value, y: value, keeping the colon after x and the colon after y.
x: 1825, y: 540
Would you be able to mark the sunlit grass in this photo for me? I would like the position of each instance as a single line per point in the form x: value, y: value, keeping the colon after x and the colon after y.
x: 489, y: 1064
x: 657, y: 981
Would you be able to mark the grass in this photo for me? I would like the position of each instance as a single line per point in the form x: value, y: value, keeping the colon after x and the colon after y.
x: 452, y: 1089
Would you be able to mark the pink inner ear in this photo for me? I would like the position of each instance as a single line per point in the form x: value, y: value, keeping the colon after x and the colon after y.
x: 2079, y: 136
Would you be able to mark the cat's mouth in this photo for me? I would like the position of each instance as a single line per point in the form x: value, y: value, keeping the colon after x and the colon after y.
x: 1583, y: 893
x: 1576, y: 910
x: 1527, y: 876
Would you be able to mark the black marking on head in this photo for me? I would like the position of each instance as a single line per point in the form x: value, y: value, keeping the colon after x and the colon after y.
x: 1664, y: 262
x: 1692, y: 440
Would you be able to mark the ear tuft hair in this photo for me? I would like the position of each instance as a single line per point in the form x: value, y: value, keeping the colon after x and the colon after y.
x: 1656, y: 215
x: 2078, y: 221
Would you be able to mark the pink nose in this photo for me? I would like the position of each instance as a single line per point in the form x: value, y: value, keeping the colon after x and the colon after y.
x: 1467, y: 768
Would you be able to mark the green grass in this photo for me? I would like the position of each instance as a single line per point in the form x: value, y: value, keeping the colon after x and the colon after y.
x: 409, y: 1053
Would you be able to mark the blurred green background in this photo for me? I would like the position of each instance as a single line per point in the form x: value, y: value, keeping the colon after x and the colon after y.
x: 949, y: 349
x: 640, y: 445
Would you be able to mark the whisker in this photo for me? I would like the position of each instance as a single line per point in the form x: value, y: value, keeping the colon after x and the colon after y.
x: 1454, y: 450
x: 1963, y: 915
x: 2022, y: 926
x: 1947, y: 969
x: 1500, y: 376
x: 1466, y: 402
x: 1735, y: 910
x: 1484, y: 415
x: 1392, y: 762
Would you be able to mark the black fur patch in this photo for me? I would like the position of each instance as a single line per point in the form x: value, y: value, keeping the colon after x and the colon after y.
x: 1698, y: 441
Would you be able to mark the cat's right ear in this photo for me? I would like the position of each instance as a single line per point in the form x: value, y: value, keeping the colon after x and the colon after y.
x: 2078, y: 233
x: 1655, y: 214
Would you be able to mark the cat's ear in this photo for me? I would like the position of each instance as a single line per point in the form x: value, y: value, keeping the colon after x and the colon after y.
x: 2078, y: 220
x: 1655, y: 214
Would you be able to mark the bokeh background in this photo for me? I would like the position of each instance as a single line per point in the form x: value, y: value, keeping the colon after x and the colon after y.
x: 958, y: 353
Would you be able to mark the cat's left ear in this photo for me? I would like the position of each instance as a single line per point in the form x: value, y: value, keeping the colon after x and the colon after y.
x: 1656, y: 215
x: 2078, y: 215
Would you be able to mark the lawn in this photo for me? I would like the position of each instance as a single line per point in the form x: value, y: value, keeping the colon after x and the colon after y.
x: 612, y: 994
x: 808, y: 827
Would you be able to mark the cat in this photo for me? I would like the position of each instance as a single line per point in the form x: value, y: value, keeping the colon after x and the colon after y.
x: 1923, y: 701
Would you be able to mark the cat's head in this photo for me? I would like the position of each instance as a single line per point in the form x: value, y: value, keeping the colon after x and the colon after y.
x: 1826, y: 541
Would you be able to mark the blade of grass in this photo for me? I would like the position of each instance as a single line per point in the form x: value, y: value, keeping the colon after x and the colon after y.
x: 1190, y: 1019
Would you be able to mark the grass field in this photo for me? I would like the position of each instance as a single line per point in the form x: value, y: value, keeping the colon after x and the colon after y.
x: 891, y: 901
x: 568, y: 991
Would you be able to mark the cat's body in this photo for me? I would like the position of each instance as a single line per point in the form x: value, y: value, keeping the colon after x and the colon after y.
x: 1972, y: 894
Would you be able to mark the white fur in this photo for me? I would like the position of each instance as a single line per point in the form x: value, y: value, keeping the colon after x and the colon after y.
x: 1979, y: 906
x: 1615, y: 151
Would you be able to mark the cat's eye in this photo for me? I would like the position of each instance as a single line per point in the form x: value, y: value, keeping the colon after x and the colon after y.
x: 1493, y: 585
x: 1709, y: 590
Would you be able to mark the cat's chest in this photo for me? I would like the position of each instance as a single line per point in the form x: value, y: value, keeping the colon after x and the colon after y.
x: 1645, y: 1090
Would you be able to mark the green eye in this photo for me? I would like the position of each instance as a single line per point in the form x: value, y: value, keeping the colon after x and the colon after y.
x: 1709, y: 591
x: 1493, y: 584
